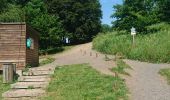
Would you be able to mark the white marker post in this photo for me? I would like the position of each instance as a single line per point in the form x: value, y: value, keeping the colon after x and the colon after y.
x: 133, y: 33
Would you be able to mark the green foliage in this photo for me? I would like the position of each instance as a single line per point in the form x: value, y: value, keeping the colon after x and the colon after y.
x: 3, y: 5
x: 106, y: 28
x: 81, y: 19
x: 166, y: 74
x: 47, y: 61
x: 12, y: 14
x: 49, y: 26
x: 163, y: 10
x: 136, y: 13
x: 152, y: 47
x: 81, y: 82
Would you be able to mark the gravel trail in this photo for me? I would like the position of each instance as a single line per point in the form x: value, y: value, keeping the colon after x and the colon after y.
x: 145, y: 83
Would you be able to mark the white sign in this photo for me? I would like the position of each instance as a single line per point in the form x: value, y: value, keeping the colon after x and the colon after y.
x: 133, y: 31
x: 67, y: 41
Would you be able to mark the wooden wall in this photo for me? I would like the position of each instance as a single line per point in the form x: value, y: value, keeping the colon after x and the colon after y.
x: 32, y: 57
x: 12, y: 44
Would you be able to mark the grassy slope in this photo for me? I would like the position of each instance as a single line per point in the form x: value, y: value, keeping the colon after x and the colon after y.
x: 81, y: 82
x: 151, y: 48
x: 3, y: 87
x: 166, y: 74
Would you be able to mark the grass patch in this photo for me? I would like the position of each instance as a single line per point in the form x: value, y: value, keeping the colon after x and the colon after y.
x: 166, y: 74
x: 150, y: 48
x: 121, y: 66
x: 81, y: 82
x: 3, y: 87
x: 47, y: 61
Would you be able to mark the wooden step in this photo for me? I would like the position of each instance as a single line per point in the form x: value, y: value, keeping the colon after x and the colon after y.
x: 37, y: 73
x: 29, y: 85
x: 18, y: 93
x: 42, y: 69
x: 23, y: 98
x: 33, y: 79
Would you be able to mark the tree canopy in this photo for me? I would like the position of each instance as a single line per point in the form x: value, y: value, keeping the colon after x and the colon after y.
x: 140, y: 13
x: 80, y: 18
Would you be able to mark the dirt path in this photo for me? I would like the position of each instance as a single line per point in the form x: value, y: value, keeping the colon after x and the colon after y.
x: 84, y: 54
x: 145, y: 83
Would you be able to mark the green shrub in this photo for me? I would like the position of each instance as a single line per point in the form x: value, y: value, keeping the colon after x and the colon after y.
x: 151, y: 47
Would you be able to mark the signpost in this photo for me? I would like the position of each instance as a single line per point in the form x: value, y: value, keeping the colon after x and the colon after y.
x: 133, y: 33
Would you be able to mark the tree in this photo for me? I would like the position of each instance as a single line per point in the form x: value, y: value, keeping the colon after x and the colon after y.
x: 106, y: 28
x: 3, y: 5
x: 163, y: 8
x: 80, y: 18
x: 49, y: 26
x: 12, y: 14
x: 136, y: 13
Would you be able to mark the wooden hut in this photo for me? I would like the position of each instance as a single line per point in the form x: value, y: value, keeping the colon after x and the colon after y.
x: 13, y: 45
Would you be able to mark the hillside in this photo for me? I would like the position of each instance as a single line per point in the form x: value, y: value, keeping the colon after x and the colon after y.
x: 153, y: 47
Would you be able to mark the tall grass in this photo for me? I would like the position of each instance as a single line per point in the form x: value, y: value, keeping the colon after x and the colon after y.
x: 153, y: 47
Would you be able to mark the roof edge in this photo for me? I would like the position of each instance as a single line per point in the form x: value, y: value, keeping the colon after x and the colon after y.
x: 12, y: 23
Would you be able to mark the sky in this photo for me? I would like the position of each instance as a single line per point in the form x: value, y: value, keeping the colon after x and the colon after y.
x: 107, y: 9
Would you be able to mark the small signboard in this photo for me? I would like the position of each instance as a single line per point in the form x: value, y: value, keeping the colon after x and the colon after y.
x: 67, y: 41
x: 133, y: 31
x: 29, y: 43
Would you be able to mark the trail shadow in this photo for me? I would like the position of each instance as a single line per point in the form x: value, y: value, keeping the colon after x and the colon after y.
x: 51, y: 51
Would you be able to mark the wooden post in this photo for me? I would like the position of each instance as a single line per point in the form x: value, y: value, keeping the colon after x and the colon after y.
x: 96, y: 55
x: 8, y: 73
x: 133, y: 40
x: 90, y: 53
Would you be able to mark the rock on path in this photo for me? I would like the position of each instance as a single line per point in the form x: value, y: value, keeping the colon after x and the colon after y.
x: 145, y: 82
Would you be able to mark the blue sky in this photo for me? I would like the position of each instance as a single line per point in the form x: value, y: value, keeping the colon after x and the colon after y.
x: 107, y: 9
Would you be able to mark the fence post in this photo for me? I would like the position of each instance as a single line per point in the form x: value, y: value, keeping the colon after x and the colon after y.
x: 8, y: 73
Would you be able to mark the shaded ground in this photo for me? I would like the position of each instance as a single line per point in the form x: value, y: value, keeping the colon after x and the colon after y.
x: 145, y: 82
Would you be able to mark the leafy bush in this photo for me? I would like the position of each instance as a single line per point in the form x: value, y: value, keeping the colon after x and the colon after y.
x: 151, y: 47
